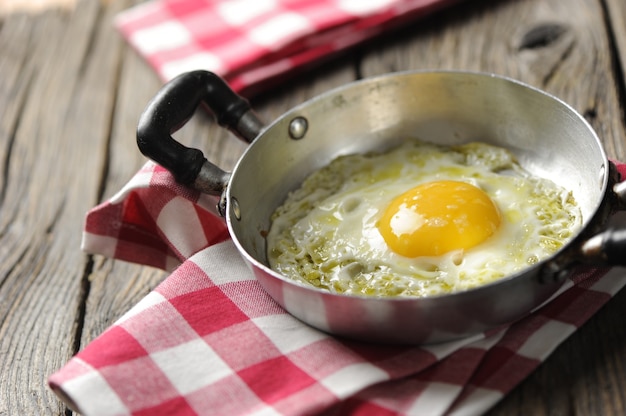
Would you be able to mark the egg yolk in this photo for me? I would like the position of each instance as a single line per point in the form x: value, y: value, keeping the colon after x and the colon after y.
x: 437, y: 217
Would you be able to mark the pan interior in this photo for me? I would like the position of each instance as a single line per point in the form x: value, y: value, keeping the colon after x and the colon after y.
x: 548, y: 138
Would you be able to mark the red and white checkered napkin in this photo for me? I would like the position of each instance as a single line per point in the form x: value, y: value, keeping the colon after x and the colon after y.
x: 252, y: 43
x: 209, y: 340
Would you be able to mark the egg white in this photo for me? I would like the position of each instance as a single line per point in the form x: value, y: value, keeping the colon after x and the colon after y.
x: 325, y: 233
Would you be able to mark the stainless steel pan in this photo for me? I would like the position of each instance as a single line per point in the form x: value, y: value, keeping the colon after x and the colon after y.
x: 548, y: 137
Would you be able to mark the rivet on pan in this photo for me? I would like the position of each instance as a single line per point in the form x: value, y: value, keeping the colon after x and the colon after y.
x: 235, y: 206
x: 298, y: 128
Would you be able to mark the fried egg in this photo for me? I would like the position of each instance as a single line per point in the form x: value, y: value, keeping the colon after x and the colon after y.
x: 419, y: 220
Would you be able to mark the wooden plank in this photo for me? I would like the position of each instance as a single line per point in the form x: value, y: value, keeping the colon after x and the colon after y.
x: 113, y: 287
x: 60, y: 113
x: 616, y: 18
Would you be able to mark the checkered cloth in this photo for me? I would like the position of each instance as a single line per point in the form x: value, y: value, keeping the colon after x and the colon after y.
x: 254, y: 43
x: 209, y: 340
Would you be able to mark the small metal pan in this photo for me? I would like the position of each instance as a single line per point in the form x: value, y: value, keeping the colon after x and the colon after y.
x: 547, y: 136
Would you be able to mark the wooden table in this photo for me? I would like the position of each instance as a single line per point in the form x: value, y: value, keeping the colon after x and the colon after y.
x: 71, y: 92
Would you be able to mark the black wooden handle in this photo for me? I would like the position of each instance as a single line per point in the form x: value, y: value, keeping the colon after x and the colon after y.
x: 172, y: 107
x: 612, y: 243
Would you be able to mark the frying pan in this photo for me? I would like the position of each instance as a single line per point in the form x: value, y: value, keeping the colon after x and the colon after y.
x: 548, y: 137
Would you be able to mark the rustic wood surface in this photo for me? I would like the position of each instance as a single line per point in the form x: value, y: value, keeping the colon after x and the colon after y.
x: 71, y: 92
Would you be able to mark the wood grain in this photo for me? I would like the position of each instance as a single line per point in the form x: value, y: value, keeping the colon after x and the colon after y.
x: 616, y: 25
x: 42, y: 198
x: 71, y: 92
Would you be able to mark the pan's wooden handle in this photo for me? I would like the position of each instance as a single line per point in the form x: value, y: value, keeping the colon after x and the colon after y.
x: 609, y: 247
x: 173, y: 106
